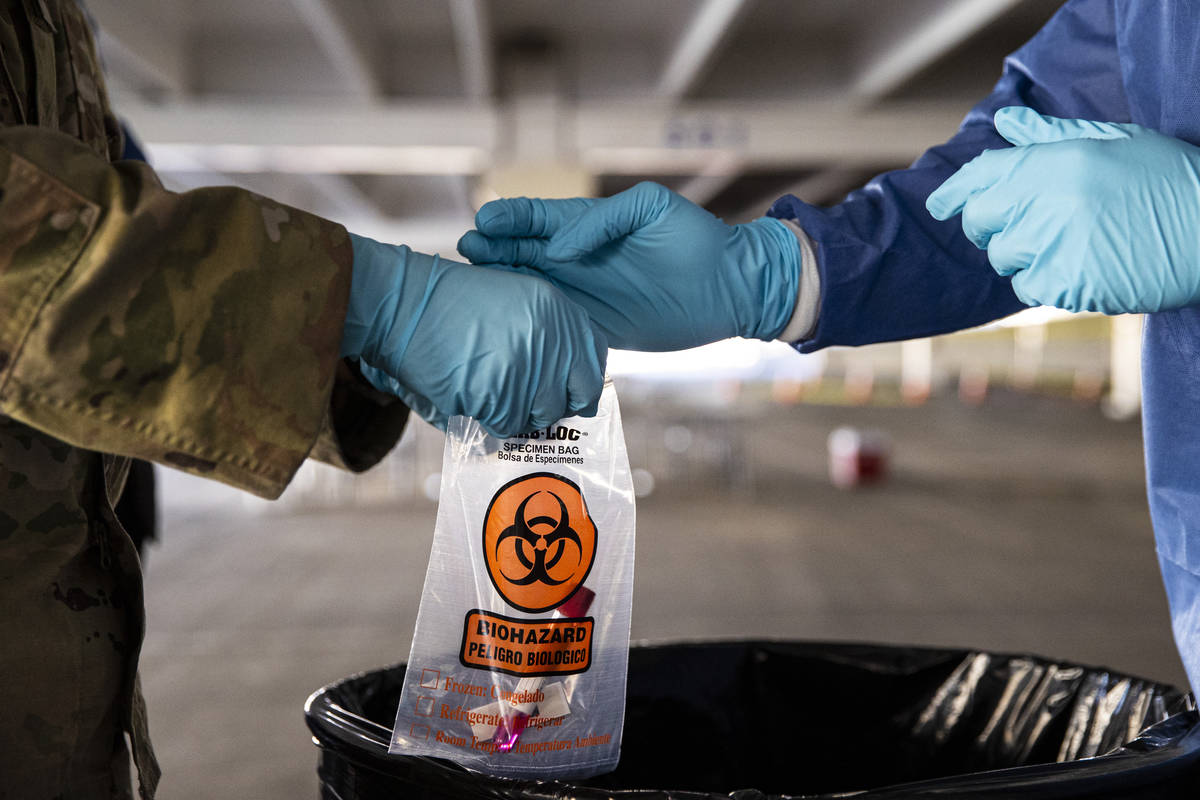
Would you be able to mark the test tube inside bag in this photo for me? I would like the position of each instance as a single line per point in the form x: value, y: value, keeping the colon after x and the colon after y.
x: 533, y: 696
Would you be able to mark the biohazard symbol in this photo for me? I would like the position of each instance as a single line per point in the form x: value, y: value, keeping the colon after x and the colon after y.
x: 538, y: 541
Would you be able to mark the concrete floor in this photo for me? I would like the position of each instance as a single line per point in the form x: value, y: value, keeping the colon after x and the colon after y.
x: 1020, y: 526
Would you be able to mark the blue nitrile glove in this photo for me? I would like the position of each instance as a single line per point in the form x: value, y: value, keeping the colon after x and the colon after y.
x: 450, y: 338
x: 1092, y: 216
x: 655, y: 271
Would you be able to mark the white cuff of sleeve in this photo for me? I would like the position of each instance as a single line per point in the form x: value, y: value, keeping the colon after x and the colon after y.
x: 808, y: 301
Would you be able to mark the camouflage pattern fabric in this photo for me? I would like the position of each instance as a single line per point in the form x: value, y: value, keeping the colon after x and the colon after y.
x: 198, y: 330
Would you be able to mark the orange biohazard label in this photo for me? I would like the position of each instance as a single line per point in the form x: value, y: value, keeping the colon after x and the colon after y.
x: 557, y: 646
x: 539, y: 541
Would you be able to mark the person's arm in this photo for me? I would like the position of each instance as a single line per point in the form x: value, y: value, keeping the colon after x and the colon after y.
x: 200, y: 330
x: 888, y: 270
x: 656, y: 272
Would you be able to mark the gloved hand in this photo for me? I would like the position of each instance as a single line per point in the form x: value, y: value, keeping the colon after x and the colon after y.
x: 1084, y: 215
x: 655, y: 271
x: 449, y: 338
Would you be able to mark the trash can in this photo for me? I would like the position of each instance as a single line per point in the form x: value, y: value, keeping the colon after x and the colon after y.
x: 767, y: 719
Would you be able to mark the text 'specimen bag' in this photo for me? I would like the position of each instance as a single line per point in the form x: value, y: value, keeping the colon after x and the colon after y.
x: 518, y: 661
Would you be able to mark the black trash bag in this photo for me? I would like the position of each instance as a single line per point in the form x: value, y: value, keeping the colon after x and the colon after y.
x: 768, y: 719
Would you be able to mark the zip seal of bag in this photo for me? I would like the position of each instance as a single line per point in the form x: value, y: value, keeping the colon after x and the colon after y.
x: 519, y: 657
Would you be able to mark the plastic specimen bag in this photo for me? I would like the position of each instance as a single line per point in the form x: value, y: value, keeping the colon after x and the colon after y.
x: 518, y: 662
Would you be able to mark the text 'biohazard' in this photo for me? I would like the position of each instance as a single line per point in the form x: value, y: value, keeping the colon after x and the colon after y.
x: 557, y: 646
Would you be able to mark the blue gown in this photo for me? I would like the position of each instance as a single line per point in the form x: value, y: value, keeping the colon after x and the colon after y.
x: 890, y: 271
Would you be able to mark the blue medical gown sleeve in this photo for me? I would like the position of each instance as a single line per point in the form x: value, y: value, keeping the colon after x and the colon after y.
x: 1171, y: 397
x: 888, y: 269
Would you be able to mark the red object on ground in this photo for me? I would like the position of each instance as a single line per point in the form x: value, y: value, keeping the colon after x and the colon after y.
x: 858, y: 458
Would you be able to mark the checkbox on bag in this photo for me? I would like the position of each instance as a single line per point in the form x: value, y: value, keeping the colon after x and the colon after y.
x: 419, y: 732
x: 424, y: 706
x: 430, y: 678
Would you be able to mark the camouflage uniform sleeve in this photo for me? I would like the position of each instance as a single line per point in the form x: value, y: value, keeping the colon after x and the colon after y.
x: 199, y: 330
